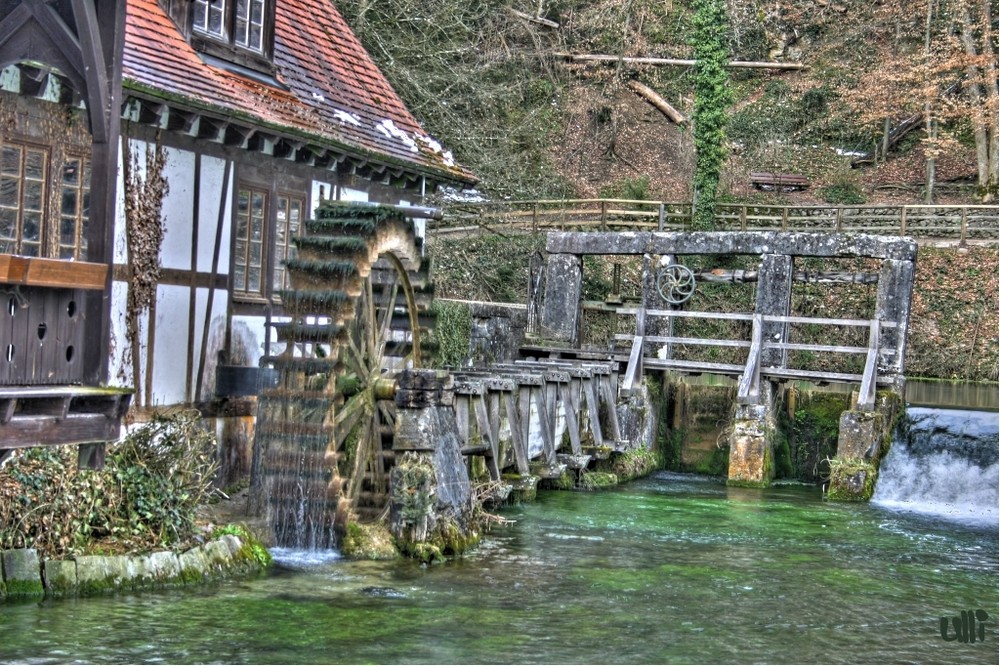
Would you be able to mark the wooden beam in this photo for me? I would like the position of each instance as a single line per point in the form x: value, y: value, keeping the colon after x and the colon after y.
x: 661, y: 104
x: 676, y: 62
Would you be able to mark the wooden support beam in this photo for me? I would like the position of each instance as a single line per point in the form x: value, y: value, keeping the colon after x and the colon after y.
x: 866, y: 396
x: 738, y: 64
x: 749, y: 388
x: 572, y: 409
x: 516, y: 434
x: 656, y: 100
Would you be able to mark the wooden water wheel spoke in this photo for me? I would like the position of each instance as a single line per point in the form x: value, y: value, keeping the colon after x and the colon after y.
x: 375, y: 348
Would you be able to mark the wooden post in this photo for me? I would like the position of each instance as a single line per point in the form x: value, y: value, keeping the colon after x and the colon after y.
x: 902, y: 220
x: 840, y: 217
x: 965, y: 218
x: 662, y: 218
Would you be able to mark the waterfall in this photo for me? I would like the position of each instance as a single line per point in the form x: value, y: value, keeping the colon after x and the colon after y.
x: 943, y: 462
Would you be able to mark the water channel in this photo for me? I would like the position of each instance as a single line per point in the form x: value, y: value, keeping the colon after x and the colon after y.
x: 670, y: 569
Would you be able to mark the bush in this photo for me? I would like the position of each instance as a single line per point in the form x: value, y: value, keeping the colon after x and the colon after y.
x: 144, y: 499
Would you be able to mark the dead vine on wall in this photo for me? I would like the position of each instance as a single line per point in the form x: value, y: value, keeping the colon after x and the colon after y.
x: 145, y: 190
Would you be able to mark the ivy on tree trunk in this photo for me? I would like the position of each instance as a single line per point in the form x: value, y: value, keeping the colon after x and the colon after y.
x: 712, y: 98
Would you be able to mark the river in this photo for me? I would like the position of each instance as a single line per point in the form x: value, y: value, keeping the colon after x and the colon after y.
x: 669, y: 569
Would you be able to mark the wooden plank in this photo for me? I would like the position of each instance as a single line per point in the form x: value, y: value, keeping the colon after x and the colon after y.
x: 44, y: 272
x: 633, y: 373
x: 462, y: 417
x: 490, y: 435
x: 593, y: 411
x: 546, y: 425
x: 714, y: 342
x: 572, y: 409
x: 516, y: 434
x: 748, y: 392
x: 30, y: 431
x: 866, y: 395
x: 607, y: 392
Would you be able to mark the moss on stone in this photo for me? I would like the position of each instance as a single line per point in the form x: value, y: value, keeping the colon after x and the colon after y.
x: 631, y: 464
x: 24, y: 589
x: 851, y: 480
x: 252, y: 550
x: 597, y: 480
x: 370, y: 541
x: 565, y: 481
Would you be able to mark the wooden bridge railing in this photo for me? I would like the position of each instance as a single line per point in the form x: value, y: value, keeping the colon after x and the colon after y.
x: 946, y: 222
x: 752, y: 370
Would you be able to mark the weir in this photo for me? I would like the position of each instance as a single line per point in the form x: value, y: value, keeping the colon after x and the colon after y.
x: 768, y: 352
x: 354, y: 431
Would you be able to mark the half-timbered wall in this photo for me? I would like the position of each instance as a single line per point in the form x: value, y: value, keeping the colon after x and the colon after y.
x: 192, y: 328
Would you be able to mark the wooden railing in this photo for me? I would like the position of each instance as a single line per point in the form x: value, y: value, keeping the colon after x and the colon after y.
x: 940, y: 222
x: 751, y: 371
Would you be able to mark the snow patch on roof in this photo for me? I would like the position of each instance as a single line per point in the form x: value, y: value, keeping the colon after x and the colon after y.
x: 346, y: 118
x: 389, y: 128
x: 435, y: 147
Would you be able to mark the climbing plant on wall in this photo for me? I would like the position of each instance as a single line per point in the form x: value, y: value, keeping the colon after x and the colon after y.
x: 712, y: 98
x: 145, y: 190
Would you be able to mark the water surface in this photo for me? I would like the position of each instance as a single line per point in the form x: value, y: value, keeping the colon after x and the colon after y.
x: 671, y: 569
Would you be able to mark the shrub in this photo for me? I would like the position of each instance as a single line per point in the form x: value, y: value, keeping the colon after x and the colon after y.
x: 144, y: 499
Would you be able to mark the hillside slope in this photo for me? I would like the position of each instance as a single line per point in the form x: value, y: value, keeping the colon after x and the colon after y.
x: 491, y: 84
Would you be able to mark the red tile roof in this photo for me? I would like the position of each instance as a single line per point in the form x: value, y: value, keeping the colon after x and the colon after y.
x: 336, y: 95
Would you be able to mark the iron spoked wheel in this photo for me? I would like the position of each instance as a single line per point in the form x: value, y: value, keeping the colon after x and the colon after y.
x: 675, y: 283
x: 381, y: 341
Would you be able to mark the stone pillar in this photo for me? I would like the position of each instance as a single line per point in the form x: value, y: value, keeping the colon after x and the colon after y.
x: 658, y: 326
x: 862, y: 441
x: 431, y: 504
x: 751, y: 442
x: 774, y: 296
x: 561, y: 306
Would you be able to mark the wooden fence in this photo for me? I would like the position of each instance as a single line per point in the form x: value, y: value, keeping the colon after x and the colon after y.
x: 951, y: 223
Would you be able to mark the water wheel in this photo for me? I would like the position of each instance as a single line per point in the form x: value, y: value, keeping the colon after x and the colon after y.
x: 323, y: 440
x: 383, y: 339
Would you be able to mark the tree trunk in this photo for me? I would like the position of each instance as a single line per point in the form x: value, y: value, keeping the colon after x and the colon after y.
x: 929, y: 125
x: 886, y: 129
x: 977, y: 96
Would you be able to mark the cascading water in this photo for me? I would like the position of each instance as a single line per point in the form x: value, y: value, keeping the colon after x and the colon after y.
x: 943, y: 462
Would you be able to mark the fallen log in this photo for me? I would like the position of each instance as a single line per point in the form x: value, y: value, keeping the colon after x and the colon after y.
x: 745, y: 64
x: 661, y: 104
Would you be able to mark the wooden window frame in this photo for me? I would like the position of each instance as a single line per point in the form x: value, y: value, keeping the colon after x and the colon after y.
x: 77, y: 250
x: 279, y: 276
x: 17, y: 239
x: 224, y: 44
x: 243, y: 292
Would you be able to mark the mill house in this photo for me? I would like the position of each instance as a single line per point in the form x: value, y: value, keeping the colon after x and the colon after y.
x: 228, y: 121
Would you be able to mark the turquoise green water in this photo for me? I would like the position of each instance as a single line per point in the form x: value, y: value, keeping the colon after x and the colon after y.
x: 672, y: 569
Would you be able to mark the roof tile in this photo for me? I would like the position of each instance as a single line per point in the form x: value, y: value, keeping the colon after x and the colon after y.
x: 336, y: 94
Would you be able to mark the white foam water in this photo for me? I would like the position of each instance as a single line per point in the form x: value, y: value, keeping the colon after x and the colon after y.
x: 944, y: 463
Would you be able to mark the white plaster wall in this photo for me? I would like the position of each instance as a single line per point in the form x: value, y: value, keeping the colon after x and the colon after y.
x: 249, y: 332
x: 320, y: 190
x: 348, y: 194
x: 170, y: 354
x: 212, y: 195
x: 178, y: 209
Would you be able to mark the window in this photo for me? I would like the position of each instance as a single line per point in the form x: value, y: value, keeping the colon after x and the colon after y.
x: 75, y: 210
x: 288, y: 227
x: 248, y: 249
x: 23, y: 175
x: 245, y: 26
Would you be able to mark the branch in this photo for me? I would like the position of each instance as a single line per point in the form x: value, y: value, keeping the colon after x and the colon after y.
x: 653, y: 98
x: 534, y: 19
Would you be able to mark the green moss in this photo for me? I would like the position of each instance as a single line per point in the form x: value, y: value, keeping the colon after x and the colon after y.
x: 368, y: 542
x: 851, y: 480
x: 715, y: 465
x: 597, y: 480
x: 452, y: 333
x: 565, y: 481
x: 24, y: 589
x: 252, y: 549
x: 629, y: 465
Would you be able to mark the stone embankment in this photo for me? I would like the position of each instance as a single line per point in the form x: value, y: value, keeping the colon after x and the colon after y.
x: 25, y: 576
